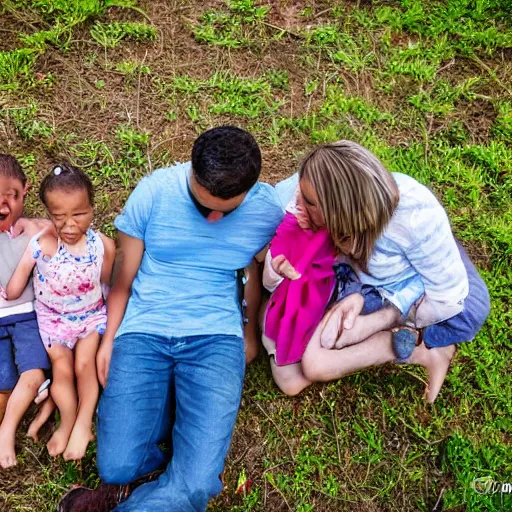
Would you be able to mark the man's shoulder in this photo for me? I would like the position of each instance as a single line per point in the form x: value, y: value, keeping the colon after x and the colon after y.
x: 167, y: 175
x: 265, y: 196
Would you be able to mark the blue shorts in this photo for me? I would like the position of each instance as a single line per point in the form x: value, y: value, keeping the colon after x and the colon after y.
x: 461, y: 327
x: 21, y: 348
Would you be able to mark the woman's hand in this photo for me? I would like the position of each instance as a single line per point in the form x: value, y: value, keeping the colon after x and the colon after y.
x: 284, y: 268
x: 103, y: 360
x: 341, y: 316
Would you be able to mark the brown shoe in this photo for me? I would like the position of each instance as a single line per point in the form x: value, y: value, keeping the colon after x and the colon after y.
x: 104, y: 498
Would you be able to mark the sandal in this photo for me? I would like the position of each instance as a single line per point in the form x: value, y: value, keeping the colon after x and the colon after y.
x: 405, y: 340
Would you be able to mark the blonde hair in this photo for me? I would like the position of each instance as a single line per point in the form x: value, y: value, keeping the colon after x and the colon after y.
x: 356, y: 194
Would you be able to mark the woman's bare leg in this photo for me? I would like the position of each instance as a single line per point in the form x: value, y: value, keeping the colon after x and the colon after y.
x: 322, y: 365
x: 88, y: 390
x: 64, y: 394
x: 436, y: 361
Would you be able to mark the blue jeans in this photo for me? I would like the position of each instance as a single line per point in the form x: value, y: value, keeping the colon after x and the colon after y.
x: 205, y: 374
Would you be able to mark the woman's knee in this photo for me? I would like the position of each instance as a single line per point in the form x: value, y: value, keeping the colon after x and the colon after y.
x: 290, y: 388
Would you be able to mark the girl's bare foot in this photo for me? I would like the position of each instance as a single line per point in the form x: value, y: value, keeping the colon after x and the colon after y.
x: 42, y: 416
x: 58, y: 442
x: 436, y: 361
x: 7, y: 451
x: 78, y: 442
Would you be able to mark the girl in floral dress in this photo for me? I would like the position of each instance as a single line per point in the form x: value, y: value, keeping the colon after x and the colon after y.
x: 70, y: 265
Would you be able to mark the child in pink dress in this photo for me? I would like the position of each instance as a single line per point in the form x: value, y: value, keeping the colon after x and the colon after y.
x: 299, y: 271
x: 69, y: 266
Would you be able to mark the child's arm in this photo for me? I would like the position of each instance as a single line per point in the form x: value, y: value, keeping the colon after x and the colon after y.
x: 275, y: 270
x: 271, y: 278
x: 131, y: 250
x: 260, y: 257
x: 19, y: 279
x: 278, y: 267
x: 252, y: 298
x: 109, y: 255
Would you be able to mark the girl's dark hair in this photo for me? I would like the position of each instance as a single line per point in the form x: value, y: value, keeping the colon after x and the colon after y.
x: 65, y: 176
x: 11, y: 168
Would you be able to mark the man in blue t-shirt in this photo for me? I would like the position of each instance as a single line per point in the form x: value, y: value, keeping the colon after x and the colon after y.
x: 174, y: 321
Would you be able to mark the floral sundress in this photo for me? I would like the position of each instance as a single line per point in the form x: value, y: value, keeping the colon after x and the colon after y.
x: 69, y: 298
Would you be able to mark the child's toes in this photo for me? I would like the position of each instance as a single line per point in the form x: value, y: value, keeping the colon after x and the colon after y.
x: 8, y: 460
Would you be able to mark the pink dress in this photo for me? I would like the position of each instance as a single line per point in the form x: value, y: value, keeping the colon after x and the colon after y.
x: 296, y: 307
x: 69, y: 300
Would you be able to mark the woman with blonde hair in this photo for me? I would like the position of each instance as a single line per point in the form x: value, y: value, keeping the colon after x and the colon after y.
x: 406, y: 290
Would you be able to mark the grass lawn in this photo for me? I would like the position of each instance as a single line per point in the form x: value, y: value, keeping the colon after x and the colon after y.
x: 122, y: 87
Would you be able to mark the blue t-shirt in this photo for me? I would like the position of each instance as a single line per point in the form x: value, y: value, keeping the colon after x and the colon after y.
x: 186, y: 283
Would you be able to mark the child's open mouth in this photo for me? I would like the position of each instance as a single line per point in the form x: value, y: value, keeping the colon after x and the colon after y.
x: 3, y: 216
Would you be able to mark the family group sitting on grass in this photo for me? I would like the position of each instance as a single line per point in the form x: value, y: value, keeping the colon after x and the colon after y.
x: 361, y: 266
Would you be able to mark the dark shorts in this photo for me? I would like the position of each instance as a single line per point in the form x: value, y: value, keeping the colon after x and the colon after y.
x: 21, y: 348
x: 461, y: 327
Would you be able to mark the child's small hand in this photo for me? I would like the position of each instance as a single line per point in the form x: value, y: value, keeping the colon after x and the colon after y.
x: 3, y: 294
x: 19, y: 227
x: 284, y: 268
x: 31, y: 227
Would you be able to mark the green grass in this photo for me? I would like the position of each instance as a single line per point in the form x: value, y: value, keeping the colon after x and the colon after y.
x: 121, y: 88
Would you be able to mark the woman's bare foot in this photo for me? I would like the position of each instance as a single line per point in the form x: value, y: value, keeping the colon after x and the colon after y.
x: 7, y: 451
x: 42, y: 417
x: 79, y: 440
x: 436, y: 361
x: 58, y: 442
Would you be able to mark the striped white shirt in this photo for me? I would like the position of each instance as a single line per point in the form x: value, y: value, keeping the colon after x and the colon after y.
x: 415, y: 261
